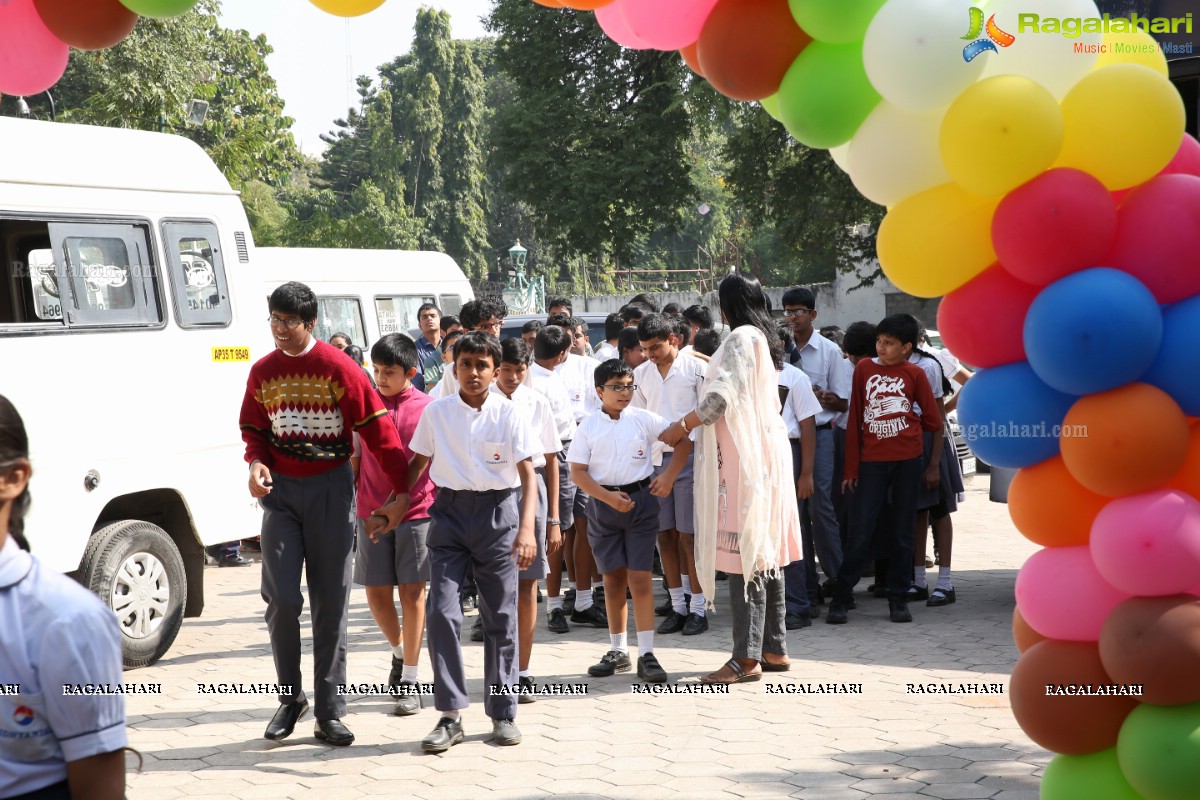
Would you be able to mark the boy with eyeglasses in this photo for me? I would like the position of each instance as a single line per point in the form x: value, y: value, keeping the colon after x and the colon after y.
x: 486, y: 316
x: 303, y: 402
x: 610, y: 459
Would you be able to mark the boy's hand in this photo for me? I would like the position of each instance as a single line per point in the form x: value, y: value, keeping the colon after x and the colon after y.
x: 525, y: 546
x: 662, y: 485
x: 849, y: 484
x: 554, y: 538
x: 387, y: 518
x: 672, y: 435
x: 620, y: 501
x: 932, y: 476
x: 804, y: 487
x: 260, y: 480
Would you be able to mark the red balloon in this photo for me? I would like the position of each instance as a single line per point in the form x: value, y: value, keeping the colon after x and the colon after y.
x: 1185, y: 162
x: 747, y: 46
x: 1155, y: 641
x: 1073, y: 724
x: 980, y: 322
x: 1060, y: 222
x: 87, y: 24
x: 1158, y: 236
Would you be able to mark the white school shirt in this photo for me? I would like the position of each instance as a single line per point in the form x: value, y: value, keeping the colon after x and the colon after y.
x: 950, y: 363
x: 617, y: 451
x: 933, y: 373
x: 579, y: 376
x: 473, y: 450
x: 551, y: 385
x: 821, y: 361
x: 670, y: 397
x: 448, y: 385
x: 53, y: 632
x: 843, y: 417
x: 606, y: 351
x: 536, y: 411
x: 801, y: 402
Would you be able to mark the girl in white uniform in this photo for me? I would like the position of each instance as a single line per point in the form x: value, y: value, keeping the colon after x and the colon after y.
x: 52, y: 632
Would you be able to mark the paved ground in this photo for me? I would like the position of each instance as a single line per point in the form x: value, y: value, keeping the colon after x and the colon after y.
x: 753, y: 742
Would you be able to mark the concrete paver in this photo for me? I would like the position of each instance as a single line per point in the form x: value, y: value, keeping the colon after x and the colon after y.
x: 780, y: 737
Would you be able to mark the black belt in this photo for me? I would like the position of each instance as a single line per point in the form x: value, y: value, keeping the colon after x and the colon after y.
x: 825, y: 427
x: 630, y: 488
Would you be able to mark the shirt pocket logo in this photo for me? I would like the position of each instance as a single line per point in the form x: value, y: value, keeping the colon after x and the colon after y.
x: 640, y: 449
x: 495, y: 454
x: 25, y: 733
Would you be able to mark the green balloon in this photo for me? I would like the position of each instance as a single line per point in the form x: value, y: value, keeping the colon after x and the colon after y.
x: 1096, y: 776
x: 825, y: 95
x: 770, y: 104
x: 1159, y: 751
x: 159, y: 8
x: 835, y: 21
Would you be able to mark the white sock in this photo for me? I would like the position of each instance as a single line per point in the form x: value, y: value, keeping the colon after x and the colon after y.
x: 645, y: 642
x: 919, y: 576
x: 409, y: 675
x: 687, y: 584
x: 583, y: 599
x: 524, y: 674
x: 698, y: 604
x: 451, y: 714
x: 944, y: 579
x: 677, y: 603
x: 620, y: 641
x: 553, y: 604
x: 398, y: 651
x: 571, y: 585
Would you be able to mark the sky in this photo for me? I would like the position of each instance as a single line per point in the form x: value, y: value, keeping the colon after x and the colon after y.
x: 317, y: 56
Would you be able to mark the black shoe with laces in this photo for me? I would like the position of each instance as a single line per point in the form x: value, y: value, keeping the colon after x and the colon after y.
x: 650, y: 670
x: 556, y: 621
x: 673, y: 623
x: 591, y: 616
x: 612, y: 662
x: 448, y: 733
x: 695, y: 624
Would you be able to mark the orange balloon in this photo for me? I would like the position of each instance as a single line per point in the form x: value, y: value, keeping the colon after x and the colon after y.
x: 1074, y: 724
x: 747, y: 46
x: 1051, y: 508
x: 1023, y: 633
x: 1188, y: 477
x: 585, y: 5
x: 549, y: 3
x: 691, y: 58
x: 1125, y: 441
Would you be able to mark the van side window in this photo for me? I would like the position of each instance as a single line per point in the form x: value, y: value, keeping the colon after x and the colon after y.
x: 341, y: 315
x: 43, y: 284
x: 200, y: 291
x: 399, y: 314
x: 450, y: 304
x: 105, y: 275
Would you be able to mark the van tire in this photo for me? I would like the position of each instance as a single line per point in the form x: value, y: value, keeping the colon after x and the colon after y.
x: 137, y: 571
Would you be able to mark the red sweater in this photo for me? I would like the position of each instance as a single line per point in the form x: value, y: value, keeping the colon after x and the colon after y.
x: 300, y: 412
x: 882, y: 425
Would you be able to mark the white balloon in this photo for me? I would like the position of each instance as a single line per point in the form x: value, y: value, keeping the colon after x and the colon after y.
x: 841, y: 156
x: 1051, y: 59
x: 895, y: 153
x: 913, y: 52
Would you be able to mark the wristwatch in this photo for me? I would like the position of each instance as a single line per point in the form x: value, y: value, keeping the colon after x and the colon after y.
x: 553, y: 521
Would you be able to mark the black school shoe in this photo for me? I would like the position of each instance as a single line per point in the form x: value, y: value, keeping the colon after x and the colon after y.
x: 665, y: 609
x: 650, y: 670
x: 674, y: 623
x: 569, y: 601
x: 898, y: 610
x: 836, y: 614
x: 612, y: 662
x: 941, y: 597
x: 477, y: 630
x: 408, y: 701
x: 332, y: 731
x: 917, y: 593
x: 448, y: 733
x: 556, y: 621
x: 592, y: 616
x: 527, y: 690
x: 695, y: 624
x: 396, y: 674
x: 284, y: 721
x: 795, y: 620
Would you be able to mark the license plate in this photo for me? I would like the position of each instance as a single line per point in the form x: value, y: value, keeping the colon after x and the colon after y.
x: 968, y: 466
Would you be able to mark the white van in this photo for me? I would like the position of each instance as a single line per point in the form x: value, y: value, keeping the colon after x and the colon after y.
x: 367, y: 293
x: 130, y: 314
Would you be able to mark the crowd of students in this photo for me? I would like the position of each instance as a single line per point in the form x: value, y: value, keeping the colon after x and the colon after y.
x: 484, y: 468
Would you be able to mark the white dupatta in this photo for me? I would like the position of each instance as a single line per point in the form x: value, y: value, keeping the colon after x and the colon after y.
x: 742, y: 373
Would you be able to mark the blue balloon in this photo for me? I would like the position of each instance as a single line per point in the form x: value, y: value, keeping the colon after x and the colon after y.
x: 1176, y: 369
x: 1093, y: 331
x: 1010, y: 417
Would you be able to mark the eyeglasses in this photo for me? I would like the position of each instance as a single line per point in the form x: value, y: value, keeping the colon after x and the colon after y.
x: 491, y: 326
x: 279, y: 322
x: 796, y: 312
x: 620, y: 387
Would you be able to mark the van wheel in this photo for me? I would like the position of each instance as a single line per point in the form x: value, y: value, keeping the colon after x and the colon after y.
x: 137, y: 571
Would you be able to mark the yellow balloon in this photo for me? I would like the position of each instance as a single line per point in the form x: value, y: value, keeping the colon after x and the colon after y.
x: 1123, y: 125
x: 1132, y: 47
x: 999, y: 133
x: 935, y: 241
x: 347, y: 8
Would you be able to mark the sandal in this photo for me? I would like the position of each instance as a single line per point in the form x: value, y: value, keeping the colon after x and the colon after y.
x: 777, y: 666
x: 738, y: 674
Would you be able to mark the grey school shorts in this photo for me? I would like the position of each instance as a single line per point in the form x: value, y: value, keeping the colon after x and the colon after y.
x: 540, y: 567
x: 400, y: 555
x: 676, y: 511
x: 624, y: 539
x: 566, y: 489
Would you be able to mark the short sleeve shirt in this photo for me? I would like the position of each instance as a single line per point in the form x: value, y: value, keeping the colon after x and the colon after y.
x: 800, y: 403
x: 933, y: 373
x: 617, y: 451
x: 536, y: 411
x: 821, y: 361
x: 550, y: 384
x: 579, y: 376
x: 473, y: 449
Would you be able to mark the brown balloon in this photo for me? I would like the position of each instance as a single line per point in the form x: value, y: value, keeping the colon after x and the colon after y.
x: 87, y: 24
x: 1155, y: 641
x: 747, y: 46
x: 1023, y: 633
x: 1070, y: 724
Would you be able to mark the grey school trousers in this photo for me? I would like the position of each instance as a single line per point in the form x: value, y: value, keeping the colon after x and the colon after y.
x: 478, y: 528
x: 308, y: 525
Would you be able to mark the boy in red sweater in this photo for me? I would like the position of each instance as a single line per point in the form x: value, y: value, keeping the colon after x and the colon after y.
x: 883, y: 456
x: 303, y: 403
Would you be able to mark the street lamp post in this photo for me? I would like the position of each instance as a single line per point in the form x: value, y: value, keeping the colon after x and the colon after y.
x: 517, y: 256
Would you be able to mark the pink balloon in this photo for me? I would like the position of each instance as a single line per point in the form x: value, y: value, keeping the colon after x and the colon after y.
x: 969, y: 317
x: 1063, y: 596
x: 32, y: 59
x: 1060, y: 222
x: 666, y: 24
x: 613, y: 23
x: 1149, y: 544
x: 1158, y: 236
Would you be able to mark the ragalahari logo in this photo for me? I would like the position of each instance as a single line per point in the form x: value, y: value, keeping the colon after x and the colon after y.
x: 982, y: 44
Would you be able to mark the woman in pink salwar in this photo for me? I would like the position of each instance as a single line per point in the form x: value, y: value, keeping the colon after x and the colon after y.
x: 747, y: 522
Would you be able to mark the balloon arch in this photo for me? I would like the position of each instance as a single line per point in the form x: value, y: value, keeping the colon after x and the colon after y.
x: 1037, y: 173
